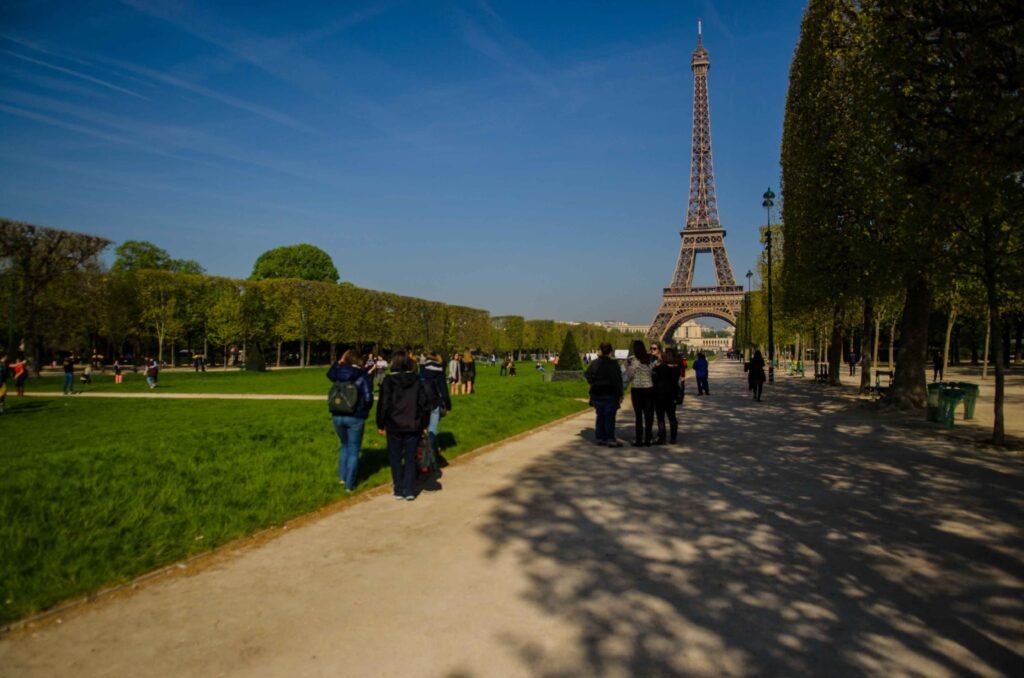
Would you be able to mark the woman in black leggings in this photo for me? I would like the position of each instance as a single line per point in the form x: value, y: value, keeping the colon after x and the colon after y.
x: 666, y: 376
x: 641, y: 393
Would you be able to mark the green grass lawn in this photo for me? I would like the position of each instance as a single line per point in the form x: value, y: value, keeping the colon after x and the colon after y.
x: 97, y: 491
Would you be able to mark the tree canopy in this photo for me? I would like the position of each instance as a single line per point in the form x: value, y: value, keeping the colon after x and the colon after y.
x: 134, y: 255
x: 305, y: 262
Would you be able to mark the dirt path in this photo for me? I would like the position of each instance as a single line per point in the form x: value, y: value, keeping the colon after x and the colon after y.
x: 802, y: 535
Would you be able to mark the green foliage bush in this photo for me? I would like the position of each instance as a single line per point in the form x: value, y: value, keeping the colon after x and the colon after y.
x: 569, y: 358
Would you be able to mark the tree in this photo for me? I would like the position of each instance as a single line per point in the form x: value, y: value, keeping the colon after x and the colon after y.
x: 134, y: 255
x: 569, y: 358
x: 305, y: 262
x: 40, y: 256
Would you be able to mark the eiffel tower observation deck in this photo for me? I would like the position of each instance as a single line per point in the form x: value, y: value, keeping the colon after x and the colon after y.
x: 703, y: 232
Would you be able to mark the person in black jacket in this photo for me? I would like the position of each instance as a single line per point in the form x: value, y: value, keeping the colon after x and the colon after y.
x: 349, y: 427
x: 667, y: 374
x: 403, y: 411
x: 432, y: 376
x: 755, y: 376
x: 605, y: 379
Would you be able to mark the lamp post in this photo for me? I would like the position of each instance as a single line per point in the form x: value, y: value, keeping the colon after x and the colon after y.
x: 748, y: 326
x: 769, y: 202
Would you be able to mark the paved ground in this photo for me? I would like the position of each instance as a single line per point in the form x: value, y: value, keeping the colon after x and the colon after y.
x: 806, y: 534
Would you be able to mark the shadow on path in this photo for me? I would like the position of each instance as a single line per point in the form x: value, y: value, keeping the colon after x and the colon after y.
x: 797, y: 535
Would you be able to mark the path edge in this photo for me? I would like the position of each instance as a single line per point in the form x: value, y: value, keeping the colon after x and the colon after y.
x: 200, y: 562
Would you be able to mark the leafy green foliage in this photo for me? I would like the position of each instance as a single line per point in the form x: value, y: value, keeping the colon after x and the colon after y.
x: 569, y: 357
x: 134, y: 255
x: 304, y: 262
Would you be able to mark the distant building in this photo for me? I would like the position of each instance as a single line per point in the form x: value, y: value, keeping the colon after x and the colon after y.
x: 700, y: 338
x: 622, y: 326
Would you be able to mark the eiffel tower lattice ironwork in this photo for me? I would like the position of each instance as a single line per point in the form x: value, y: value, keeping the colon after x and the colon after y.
x: 703, y: 233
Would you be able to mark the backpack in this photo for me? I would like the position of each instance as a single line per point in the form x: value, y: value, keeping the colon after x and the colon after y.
x: 343, y: 398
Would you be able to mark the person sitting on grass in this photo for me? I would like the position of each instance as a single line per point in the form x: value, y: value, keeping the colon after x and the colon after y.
x: 403, y: 411
x: 349, y: 424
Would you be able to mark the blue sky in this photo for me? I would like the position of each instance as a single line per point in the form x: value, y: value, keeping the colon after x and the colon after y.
x: 529, y: 158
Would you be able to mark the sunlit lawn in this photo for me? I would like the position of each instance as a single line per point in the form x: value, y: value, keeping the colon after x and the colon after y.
x: 95, y: 491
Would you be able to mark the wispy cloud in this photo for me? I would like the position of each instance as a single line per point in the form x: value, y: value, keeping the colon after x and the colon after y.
x: 77, y: 74
x: 504, y: 48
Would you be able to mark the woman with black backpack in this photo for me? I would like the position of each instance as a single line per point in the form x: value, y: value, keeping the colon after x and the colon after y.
x: 349, y: 402
x: 403, y: 411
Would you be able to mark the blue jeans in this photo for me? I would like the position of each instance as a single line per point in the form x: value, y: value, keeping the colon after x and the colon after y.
x: 435, y: 419
x: 605, y: 406
x: 69, y: 382
x: 350, y: 432
x: 402, y: 455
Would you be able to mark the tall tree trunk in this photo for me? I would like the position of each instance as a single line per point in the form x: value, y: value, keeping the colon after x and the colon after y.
x: 279, y: 344
x: 995, y: 326
x: 159, y: 348
x: 892, y: 345
x: 866, y: 361
x: 984, y: 355
x: 908, y: 388
x: 172, y: 353
x: 1007, y: 352
x: 835, y: 353
x: 878, y: 333
x: 1020, y: 335
x: 949, y: 334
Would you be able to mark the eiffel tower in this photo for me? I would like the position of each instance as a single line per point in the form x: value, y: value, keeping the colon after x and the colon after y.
x: 702, y: 233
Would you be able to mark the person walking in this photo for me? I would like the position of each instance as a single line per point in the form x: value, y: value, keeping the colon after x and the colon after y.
x: 605, y: 379
x: 468, y: 371
x: 641, y: 393
x: 755, y: 375
x: 403, y: 411
x: 69, y: 375
x: 432, y: 376
x: 666, y: 375
x: 700, y: 371
x: 118, y: 376
x: 152, y: 372
x: 453, y: 375
x: 5, y: 372
x: 352, y: 398
x: 936, y: 366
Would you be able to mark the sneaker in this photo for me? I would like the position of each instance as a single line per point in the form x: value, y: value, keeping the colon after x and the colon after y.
x: 410, y: 497
x: 399, y: 497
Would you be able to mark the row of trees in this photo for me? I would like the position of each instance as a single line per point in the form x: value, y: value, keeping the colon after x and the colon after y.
x: 59, y: 298
x: 903, y: 175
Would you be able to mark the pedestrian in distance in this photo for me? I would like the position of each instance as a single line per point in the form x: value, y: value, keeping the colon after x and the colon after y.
x: 504, y: 368
x: 511, y: 368
x: 605, y: 379
x: 69, y: 376
x: 5, y: 372
x: 87, y: 374
x: 468, y: 372
x: 432, y: 376
x: 118, y: 376
x: 403, y: 411
x: 666, y: 375
x: 349, y: 402
x: 20, y: 376
x: 851, y: 358
x: 641, y: 393
x: 755, y: 375
x: 936, y: 366
x: 453, y: 375
x: 682, y: 379
x: 700, y: 371
x: 152, y: 372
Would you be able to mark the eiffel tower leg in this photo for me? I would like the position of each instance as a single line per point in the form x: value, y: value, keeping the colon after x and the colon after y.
x: 723, y: 269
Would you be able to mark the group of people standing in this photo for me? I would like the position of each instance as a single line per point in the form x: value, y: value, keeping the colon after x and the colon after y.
x: 412, y: 399
x: 462, y: 374
x: 657, y: 381
x: 19, y: 370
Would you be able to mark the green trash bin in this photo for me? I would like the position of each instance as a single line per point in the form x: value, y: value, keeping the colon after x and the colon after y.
x: 970, y: 392
x: 949, y: 398
x: 934, y: 402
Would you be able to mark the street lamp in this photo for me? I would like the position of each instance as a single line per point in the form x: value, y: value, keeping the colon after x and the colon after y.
x: 769, y: 202
x: 749, y: 329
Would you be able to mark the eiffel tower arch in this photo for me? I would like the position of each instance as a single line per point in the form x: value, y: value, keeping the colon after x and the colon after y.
x: 703, y: 233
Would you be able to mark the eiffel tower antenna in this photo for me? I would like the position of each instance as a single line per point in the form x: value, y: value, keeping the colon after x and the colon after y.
x: 702, y: 232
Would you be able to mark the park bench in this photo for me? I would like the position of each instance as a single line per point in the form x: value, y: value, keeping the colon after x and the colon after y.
x: 878, y: 389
